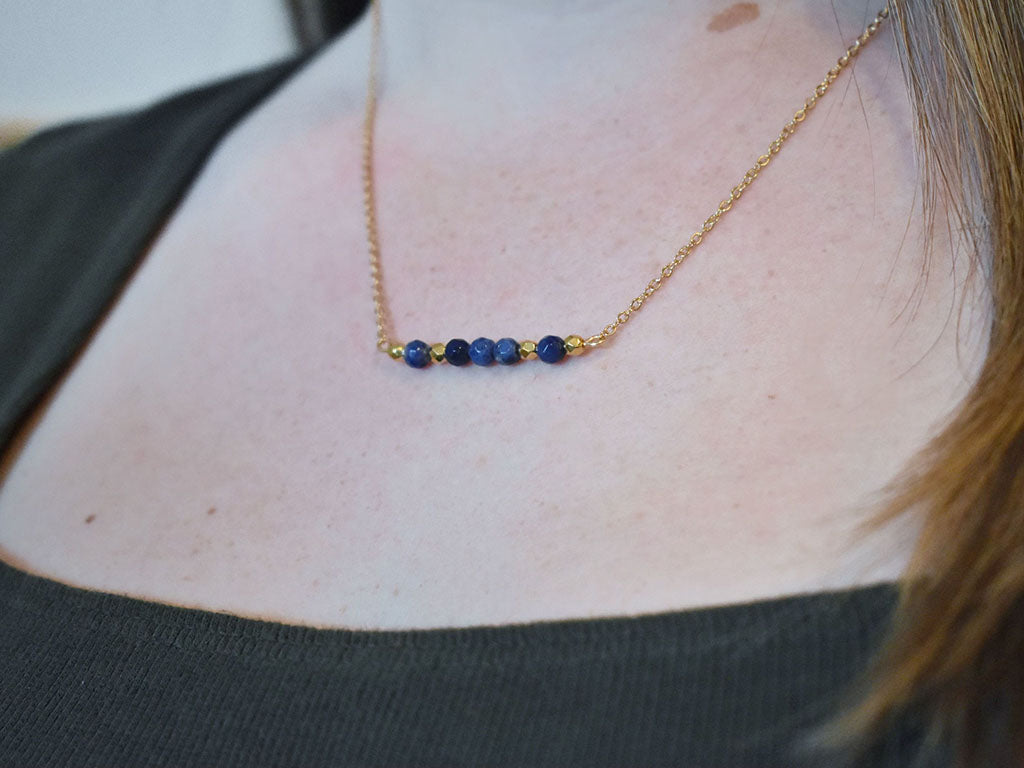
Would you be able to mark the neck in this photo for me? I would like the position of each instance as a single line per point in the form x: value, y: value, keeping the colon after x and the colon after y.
x: 526, y: 56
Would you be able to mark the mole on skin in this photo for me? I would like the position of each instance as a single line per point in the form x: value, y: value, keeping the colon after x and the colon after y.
x: 733, y: 16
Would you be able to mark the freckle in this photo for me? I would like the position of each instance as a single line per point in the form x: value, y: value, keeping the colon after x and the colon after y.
x: 90, y: 518
x: 395, y: 592
x: 772, y: 397
x: 211, y: 511
x: 733, y: 16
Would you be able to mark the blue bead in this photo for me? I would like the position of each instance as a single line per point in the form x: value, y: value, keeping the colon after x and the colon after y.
x: 506, y: 351
x: 417, y: 354
x: 551, y: 349
x: 456, y: 351
x: 481, y: 351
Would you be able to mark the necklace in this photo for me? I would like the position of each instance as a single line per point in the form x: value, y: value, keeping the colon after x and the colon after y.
x: 552, y: 349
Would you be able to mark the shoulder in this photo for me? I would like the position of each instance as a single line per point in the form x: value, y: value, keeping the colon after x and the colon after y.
x: 88, y: 163
x: 68, y: 190
x: 79, y: 202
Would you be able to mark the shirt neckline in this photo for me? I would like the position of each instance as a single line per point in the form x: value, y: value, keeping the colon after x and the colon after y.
x: 857, y: 609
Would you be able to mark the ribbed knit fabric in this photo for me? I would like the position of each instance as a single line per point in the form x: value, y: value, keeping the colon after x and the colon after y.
x: 92, y: 679
x: 96, y: 679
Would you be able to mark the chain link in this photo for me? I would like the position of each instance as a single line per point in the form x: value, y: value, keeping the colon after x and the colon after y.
x: 655, y: 284
x: 369, y: 194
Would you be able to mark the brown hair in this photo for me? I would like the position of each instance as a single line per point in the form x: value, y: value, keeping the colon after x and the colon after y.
x: 954, y: 654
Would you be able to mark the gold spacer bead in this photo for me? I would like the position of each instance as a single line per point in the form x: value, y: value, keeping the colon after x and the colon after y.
x: 437, y: 352
x: 527, y: 350
x: 574, y: 345
x: 396, y: 351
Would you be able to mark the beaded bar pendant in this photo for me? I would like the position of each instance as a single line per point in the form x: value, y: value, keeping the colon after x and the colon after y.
x: 484, y: 351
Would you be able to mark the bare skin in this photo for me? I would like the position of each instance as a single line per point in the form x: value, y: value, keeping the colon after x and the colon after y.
x: 733, y: 16
x: 230, y: 440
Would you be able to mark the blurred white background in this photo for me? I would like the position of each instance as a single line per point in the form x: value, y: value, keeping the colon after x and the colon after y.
x: 62, y: 59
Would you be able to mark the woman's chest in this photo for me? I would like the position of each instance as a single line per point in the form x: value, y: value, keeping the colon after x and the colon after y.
x: 231, y: 439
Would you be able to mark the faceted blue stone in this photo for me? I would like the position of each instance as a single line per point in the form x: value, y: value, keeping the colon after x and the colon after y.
x: 456, y: 351
x: 417, y: 354
x: 551, y: 349
x: 481, y: 351
x: 506, y: 351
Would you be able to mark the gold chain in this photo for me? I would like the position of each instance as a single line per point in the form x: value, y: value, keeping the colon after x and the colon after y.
x: 369, y: 196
